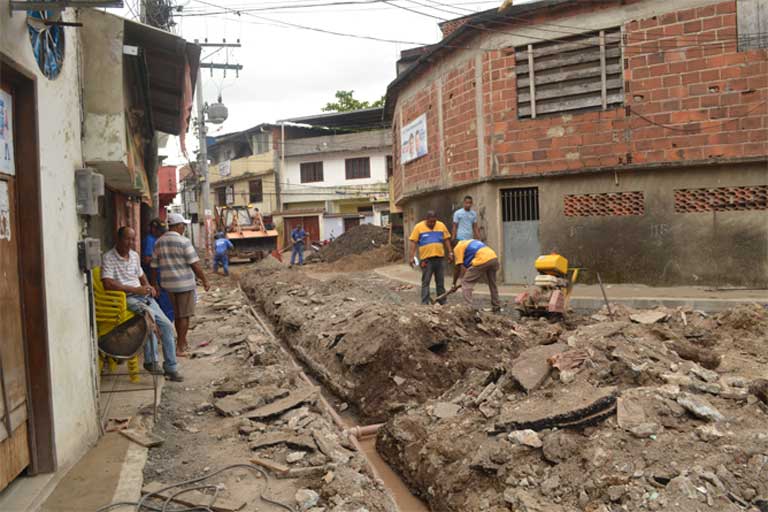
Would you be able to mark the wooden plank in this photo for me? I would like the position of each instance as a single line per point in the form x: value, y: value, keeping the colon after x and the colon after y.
x: 294, y: 399
x: 532, y: 82
x: 570, y: 89
x: 271, y: 465
x: 542, y: 50
x: 142, y: 437
x: 586, y: 55
x: 194, y: 498
x: 604, y: 88
x: 18, y: 416
x: 14, y: 455
x: 555, y: 75
x: 572, y: 104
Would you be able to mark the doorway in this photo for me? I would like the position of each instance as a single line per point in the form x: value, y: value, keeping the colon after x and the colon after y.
x: 311, y: 225
x: 350, y: 222
x: 26, y: 421
x: 520, y: 227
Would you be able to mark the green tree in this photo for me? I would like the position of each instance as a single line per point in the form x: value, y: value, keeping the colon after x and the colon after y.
x: 346, y: 102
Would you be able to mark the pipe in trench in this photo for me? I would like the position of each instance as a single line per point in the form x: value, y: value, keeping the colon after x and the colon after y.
x: 354, y: 433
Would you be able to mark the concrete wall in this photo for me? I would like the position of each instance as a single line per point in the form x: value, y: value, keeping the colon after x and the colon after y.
x: 72, y: 351
x: 662, y: 246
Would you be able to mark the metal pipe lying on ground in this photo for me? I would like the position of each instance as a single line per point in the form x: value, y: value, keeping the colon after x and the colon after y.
x: 364, y: 431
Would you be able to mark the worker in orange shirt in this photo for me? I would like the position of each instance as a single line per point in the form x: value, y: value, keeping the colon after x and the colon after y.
x: 433, y: 241
x: 475, y: 260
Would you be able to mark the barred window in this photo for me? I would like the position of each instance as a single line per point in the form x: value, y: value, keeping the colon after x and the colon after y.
x: 576, y: 73
x: 358, y: 168
x: 311, y: 172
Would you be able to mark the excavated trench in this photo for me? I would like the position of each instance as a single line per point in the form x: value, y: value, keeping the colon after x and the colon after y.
x: 483, y: 413
x: 398, y: 490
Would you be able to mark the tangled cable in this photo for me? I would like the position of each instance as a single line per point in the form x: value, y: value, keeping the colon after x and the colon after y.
x: 140, y: 505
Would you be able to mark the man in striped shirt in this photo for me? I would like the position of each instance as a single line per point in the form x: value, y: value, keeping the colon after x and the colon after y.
x: 176, y: 259
x: 121, y: 271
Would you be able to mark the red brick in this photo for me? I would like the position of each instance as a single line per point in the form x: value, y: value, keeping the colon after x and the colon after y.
x: 726, y: 7
x: 708, y: 10
x: 697, y: 89
x: 712, y: 23
x: 690, y: 103
x: 668, y: 18
x: 690, y: 78
x: 671, y: 80
x: 686, y: 15
x: 710, y: 75
x: 673, y: 30
x: 692, y: 26
x: 649, y: 23
x: 659, y: 70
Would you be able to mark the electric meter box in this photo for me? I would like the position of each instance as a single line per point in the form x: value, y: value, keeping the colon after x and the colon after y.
x: 89, y: 187
x: 89, y: 253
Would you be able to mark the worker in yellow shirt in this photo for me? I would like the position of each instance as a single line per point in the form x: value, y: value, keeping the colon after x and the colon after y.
x: 475, y: 260
x: 433, y: 240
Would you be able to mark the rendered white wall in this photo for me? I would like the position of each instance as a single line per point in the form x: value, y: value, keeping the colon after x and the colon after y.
x: 70, y: 343
x: 334, y: 177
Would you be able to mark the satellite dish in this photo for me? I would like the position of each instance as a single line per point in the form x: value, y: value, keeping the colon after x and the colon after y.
x: 217, y: 112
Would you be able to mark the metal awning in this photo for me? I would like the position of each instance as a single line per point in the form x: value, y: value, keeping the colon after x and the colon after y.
x: 172, y: 65
x: 365, y: 119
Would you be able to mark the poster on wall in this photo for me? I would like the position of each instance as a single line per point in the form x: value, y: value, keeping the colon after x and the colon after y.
x: 225, y: 168
x: 6, y: 134
x: 5, y: 212
x: 414, y: 139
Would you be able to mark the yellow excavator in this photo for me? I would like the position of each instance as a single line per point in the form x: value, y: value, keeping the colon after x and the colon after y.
x: 244, y: 227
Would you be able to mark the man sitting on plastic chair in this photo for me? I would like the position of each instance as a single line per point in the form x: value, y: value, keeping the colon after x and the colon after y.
x: 121, y: 271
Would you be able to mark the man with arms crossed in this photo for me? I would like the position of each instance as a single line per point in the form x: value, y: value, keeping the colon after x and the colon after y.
x: 176, y: 259
x: 121, y: 271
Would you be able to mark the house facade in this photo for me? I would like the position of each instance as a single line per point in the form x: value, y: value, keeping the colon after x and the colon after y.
x: 83, y: 101
x: 629, y: 136
x: 335, y: 177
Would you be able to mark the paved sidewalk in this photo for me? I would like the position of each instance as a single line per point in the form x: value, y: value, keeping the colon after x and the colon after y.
x: 589, y: 297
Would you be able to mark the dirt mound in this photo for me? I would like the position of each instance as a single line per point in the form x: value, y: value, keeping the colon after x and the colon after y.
x: 368, y: 260
x: 376, y: 354
x: 621, y: 417
x: 357, y: 240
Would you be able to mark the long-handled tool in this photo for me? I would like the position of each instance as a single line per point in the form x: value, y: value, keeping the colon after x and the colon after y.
x: 446, y: 294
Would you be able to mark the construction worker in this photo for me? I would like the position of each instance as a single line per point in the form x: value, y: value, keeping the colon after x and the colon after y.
x: 433, y: 241
x: 475, y: 260
x: 298, y: 235
x: 222, y: 246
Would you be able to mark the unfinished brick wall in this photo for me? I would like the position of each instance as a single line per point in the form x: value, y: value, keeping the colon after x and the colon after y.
x: 424, y: 172
x: 689, y: 95
x: 460, y: 123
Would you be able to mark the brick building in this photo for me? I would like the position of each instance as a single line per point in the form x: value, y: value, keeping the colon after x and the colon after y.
x: 631, y: 136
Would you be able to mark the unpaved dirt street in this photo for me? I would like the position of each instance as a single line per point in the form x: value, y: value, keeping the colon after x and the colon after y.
x: 654, y: 410
x: 240, y: 372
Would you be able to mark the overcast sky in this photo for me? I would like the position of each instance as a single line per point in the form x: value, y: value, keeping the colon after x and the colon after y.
x: 290, y: 72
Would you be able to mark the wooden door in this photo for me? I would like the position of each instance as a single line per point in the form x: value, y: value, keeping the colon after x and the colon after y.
x: 14, y: 435
x: 310, y: 224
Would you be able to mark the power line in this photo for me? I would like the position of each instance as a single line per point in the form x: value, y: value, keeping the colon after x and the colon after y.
x: 695, y: 130
x: 628, y: 48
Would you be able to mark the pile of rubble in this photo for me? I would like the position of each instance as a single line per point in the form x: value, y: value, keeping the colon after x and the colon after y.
x: 370, y: 350
x: 262, y: 404
x: 651, y: 410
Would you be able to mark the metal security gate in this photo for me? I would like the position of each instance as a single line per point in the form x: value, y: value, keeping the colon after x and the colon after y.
x: 520, y: 223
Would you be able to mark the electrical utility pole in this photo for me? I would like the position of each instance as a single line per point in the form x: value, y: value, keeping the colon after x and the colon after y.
x: 203, y: 145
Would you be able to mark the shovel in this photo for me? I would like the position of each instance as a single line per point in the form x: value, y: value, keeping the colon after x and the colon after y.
x: 446, y: 294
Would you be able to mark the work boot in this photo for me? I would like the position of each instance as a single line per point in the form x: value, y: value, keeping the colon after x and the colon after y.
x: 153, y: 368
x: 174, y: 376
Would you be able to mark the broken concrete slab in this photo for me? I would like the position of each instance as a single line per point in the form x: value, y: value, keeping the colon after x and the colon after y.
x: 445, y: 410
x: 248, y: 399
x: 259, y: 440
x: 648, y: 317
x: 142, y: 437
x: 699, y: 407
x: 294, y: 399
x: 193, y: 498
x: 532, y: 368
x: 574, y: 407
